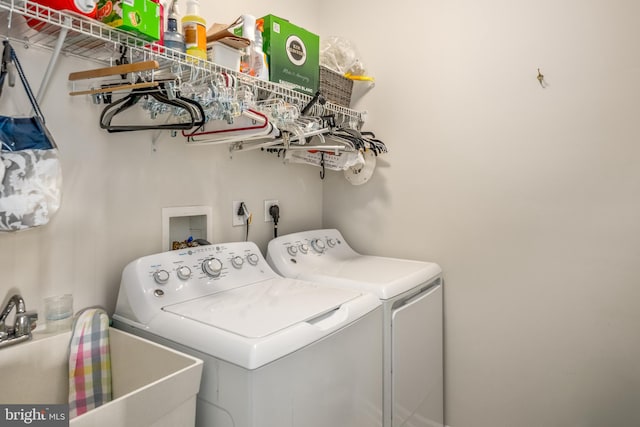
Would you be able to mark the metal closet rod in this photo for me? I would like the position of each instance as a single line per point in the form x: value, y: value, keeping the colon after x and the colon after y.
x: 54, y: 56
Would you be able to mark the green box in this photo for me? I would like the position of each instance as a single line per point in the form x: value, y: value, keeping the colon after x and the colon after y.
x: 139, y: 16
x: 293, y: 54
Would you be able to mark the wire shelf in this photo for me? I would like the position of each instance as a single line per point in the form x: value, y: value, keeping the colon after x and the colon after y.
x: 90, y: 39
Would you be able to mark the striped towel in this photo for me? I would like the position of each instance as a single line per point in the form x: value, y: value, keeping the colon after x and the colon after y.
x: 89, y: 362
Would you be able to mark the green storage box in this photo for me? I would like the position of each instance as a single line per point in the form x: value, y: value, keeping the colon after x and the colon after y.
x: 293, y: 54
x: 139, y: 16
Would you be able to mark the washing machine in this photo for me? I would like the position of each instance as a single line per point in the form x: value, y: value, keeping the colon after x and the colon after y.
x: 412, y: 326
x: 277, y: 351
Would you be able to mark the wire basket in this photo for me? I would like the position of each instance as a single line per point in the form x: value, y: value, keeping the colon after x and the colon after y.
x: 335, y: 87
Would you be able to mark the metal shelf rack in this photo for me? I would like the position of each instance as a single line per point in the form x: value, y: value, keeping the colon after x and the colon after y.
x: 78, y: 36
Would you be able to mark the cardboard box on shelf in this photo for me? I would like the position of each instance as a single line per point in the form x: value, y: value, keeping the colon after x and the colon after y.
x: 139, y: 16
x: 292, y: 54
x: 224, y: 33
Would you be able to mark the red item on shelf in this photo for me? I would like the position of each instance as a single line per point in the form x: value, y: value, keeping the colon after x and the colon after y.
x: 84, y: 7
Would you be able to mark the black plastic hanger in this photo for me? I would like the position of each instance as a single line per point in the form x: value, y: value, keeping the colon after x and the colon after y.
x: 193, y: 108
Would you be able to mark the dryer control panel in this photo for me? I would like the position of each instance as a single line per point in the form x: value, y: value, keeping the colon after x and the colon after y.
x: 324, y: 256
x: 152, y: 282
x: 312, y: 243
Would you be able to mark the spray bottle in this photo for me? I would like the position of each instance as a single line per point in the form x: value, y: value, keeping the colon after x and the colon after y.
x: 259, y: 57
x: 253, y: 61
x: 194, y: 30
x: 172, y: 38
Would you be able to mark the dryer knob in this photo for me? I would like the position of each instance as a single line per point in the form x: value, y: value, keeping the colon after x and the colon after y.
x: 253, y: 259
x: 292, y: 250
x: 161, y: 277
x: 184, y: 272
x: 318, y: 245
x: 331, y: 242
x: 304, y: 248
x: 212, y: 267
x: 237, y: 261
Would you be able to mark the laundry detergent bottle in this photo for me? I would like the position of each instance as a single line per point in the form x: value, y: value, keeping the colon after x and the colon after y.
x: 194, y: 30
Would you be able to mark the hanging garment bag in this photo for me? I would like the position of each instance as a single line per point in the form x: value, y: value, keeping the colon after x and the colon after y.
x: 30, y: 172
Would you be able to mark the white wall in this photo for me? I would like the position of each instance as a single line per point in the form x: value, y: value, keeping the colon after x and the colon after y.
x: 115, y: 186
x: 527, y: 197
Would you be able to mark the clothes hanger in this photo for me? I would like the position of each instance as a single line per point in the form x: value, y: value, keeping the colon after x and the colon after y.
x: 266, y: 138
x: 255, y: 129
x: 122, y: 70
x: 193, y: 108
x: 135, y: 67
x: 115, y: 88
x: 375, y: 145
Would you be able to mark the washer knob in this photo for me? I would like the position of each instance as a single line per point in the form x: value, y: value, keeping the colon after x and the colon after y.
x: 161, y: 276
x: 318, y: 245
x: 212, y: 266
x: 304, y: 248
x: 292, y: 250
x: 253, y: 259
x: 184, y: 272
x: 331, y: 242
x: 237, y: 261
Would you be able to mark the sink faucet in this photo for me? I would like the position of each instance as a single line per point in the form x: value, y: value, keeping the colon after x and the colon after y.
x: 24, y: 323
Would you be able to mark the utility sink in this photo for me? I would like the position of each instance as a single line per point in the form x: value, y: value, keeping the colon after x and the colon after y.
x: 152, y: 385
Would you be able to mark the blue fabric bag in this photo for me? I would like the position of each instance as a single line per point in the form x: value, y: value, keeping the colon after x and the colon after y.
x: 24, y: 133
x: 30, y: 172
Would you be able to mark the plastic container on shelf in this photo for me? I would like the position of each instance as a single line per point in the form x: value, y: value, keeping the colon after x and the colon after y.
x: 173, y: 39
x: 253, y: 61
x: 194, y: 30
x: 259, y: 57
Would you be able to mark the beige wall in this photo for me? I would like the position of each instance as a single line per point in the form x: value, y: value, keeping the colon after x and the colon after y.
x: 528, y: 197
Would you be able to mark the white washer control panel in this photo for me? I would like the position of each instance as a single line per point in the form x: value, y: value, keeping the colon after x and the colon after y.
x: 158, y: 280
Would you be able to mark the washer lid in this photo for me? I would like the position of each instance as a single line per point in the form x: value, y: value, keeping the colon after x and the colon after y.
x: 384, y: 277
x: 263, y: 308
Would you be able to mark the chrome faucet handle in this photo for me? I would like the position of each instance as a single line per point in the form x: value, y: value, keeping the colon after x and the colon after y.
x: 15, y: 301
x: 25, y: 323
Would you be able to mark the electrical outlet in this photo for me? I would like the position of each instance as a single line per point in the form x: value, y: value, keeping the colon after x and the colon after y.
x: 237, y: 220
x: 267, y: 205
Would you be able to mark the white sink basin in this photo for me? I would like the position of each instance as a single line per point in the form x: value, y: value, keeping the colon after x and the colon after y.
x: 152, y: 385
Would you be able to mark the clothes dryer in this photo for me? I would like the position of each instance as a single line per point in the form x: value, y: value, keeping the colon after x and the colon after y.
x: 412, y: 328
x: 277, y: 352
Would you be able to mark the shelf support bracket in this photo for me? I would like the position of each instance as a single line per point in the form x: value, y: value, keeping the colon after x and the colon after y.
x: 54, y: 58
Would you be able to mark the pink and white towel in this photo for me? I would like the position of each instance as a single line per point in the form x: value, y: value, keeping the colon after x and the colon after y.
x: 89, y: 362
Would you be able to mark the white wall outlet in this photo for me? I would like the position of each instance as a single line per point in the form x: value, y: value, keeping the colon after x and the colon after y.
x: 237, y: 220
x: 267, y: 205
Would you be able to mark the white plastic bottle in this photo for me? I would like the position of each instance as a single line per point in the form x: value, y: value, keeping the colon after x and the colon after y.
x: 172, y: 38
x: 194, y: 30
